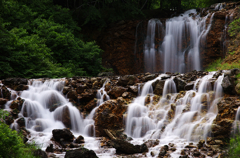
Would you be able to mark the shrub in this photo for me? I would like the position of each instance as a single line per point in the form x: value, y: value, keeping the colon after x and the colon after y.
x: 11, y: 144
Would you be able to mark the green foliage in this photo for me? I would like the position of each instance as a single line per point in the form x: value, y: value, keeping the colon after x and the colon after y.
x: 218, y: 65
x: 232, y: 53
x: 40, y: 39
x: 11, y: 144
x: 234, y: 147
x: 234, y: 28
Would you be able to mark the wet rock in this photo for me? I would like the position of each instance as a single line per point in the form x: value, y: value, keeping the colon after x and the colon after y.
x: 17, y: 104
x: 64, y: 116
x: 152, y: 143
x: 5, y: 93
x: 39, y: 153
x: 49, y: 148
x: 87, y: 95
x: 109, y: 116
x: 127, y: 95
x: 127, y: 80
x: 228, y: 85
x: 72, y: 95
x: 91, y: 105
x: 116, y: 91
x: 237, y: 88
x: 2, y: 103
x: 14, y: 82
x: 64, y: 134
x: 180, y: 84
x: 21, y: 87
x: 21, y: 122
x: 158, y: 87
x: 149, y: 77
x: 201, y: 143
x: 122, y: 146
x: 80, y: 153
x: 79, y: 140
x: 66, y: 90
x: 80, y: 89
x: 189, y: 86
x: 133, y: 89
x: 196, y: 153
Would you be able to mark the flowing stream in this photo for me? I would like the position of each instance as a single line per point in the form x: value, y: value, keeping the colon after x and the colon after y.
x: 195, y: 111
x: 180, y: 47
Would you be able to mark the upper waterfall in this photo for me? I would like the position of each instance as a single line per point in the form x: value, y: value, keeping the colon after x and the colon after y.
x: 177, y: 45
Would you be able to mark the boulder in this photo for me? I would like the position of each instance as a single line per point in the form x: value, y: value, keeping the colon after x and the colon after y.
x: 5, y: 93
x: 189, y: 86
x: 116, y: 92
x: 39, y: 153
x: 79, y: 140
x: 80, y: 88
x: 158, y: 87
x: 72, y: 95
x: 21, y: 122
x: 125, y: 147
x: 87, y: 95
x: 64, y: 117
x: 2, y: 103
x: 133, y: 89
x: 62, y: 134
x: 66, y: 90
x: 149, y: 77
x: 180, y: 84
x: 228, y: 85
x: 17, y: 104
x: 109, y: 116
x: 127, y: 80
x: 13, y: 83
x: 91, y: 105
x: 80, y: 153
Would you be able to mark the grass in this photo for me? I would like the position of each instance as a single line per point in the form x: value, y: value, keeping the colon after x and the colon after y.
x: 217, y: 65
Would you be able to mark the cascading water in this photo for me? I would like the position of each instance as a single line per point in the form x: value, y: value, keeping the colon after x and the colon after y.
x: 149, y: 44
x: 180, y: 47
x: 194, y: 113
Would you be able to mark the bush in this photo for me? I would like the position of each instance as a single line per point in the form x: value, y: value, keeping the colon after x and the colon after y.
x: 234, y: 147
x: 11, y: 144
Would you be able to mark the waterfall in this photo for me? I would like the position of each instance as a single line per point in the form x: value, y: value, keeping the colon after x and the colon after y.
x: 178, y: 45
x: 149, y: 44
x: 194, y: 112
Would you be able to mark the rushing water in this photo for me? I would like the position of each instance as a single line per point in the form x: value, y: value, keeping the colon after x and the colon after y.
x: 194, y: 113
x: 180, y: 47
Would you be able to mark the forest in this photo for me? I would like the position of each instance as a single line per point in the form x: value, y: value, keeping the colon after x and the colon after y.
x: 43, y: 39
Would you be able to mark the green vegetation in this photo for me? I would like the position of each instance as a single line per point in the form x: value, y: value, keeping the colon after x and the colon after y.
x: 39, y: 39
x: 218, y: 65
x: 11, y: 144
x: 234, y: 147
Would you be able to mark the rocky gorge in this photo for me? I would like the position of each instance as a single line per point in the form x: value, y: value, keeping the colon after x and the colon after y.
x: 207, y: 128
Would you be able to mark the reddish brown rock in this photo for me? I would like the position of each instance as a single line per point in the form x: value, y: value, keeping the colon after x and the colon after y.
x: 116, y: 92
x: 222, y: 125
x: 64, y: 117
x: 109, y: 116
x: 91, y: 105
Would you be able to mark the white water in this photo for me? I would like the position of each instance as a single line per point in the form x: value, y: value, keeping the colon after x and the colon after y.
x: 152, y: 121
x: 149, y: 44
x: 180, y: 48
x: 40, y: 121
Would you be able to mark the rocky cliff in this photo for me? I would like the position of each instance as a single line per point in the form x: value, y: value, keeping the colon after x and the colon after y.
x: 123, y: 42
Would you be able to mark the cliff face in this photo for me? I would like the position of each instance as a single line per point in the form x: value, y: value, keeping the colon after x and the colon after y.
x: 123, y: 42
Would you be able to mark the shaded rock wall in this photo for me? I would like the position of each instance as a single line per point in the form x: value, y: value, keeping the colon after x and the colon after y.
x: 123, y: 42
